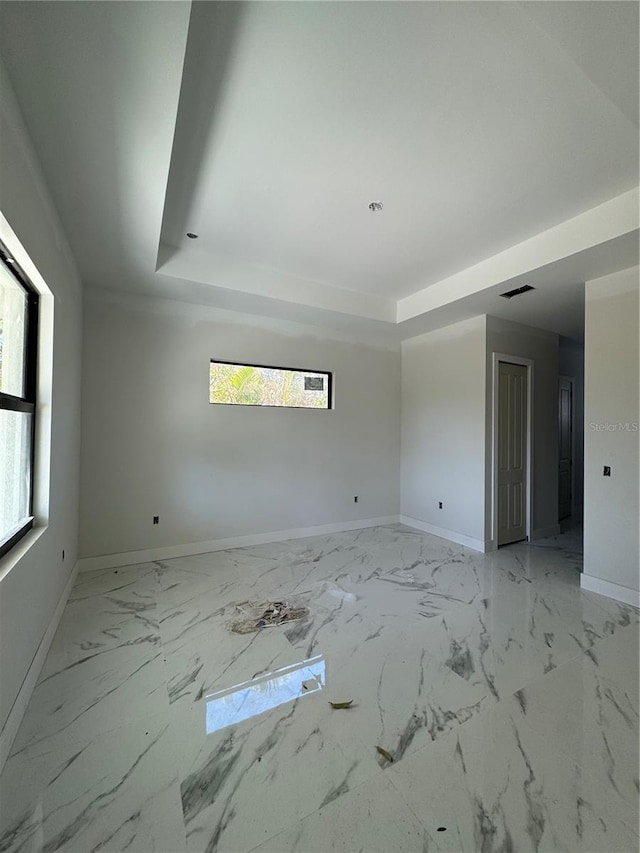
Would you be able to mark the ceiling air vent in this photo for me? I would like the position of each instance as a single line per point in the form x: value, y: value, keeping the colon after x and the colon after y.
x: 518, y: 290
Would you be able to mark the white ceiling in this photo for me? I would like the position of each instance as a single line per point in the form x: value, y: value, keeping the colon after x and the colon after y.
x: 267, y: 128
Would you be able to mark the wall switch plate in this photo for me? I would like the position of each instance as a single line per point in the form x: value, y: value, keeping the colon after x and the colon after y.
x: 439, y: 504
x: 156, y: 519
x: 355, y: 500
x: 607, y: 471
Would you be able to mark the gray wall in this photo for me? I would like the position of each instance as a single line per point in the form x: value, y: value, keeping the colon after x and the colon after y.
x: 33, y: 575
x: 611, y: 507
x: 443, y: 428
x: 508, y: 338
x: 153, y: 445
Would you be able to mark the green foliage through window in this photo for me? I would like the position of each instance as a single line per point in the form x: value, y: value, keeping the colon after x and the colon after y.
x: 252, y: 385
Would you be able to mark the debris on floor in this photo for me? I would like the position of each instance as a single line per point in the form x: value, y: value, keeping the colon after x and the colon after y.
x: 340, y: 705
x: 266, y: 615
x: 383, y: 752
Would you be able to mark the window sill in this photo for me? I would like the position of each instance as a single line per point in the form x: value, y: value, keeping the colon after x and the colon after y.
x: 20, y: 549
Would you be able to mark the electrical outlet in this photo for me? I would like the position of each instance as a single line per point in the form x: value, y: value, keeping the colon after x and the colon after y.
x: 607, y: 471
x: 355, y: 500
x: 439, y: 504
x: 156, y: 519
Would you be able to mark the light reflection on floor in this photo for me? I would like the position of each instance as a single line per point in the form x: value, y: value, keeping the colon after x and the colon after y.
x: 234, y: 704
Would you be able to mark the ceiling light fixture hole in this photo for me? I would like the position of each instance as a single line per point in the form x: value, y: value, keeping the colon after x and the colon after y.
x: 375, y: 206
x: 191, y: 235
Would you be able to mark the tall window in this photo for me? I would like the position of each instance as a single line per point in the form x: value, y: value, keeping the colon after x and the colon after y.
x: 258, y: 385
x: 18, y: 353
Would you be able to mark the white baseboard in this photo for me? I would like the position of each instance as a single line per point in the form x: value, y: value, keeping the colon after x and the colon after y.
x: 545, y: 532
x: 611, y: 590
x: 131, y: 558
x: 11, y: 726
x: 443, y: 533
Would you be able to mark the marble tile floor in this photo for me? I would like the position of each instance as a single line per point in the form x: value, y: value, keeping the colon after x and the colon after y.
x: 506, y: 696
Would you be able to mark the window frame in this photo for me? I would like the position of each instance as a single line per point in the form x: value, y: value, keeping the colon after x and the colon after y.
x: 26, y: 402
x: 329, y: 374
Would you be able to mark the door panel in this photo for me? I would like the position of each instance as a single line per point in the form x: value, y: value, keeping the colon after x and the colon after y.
x: 517, y: 502
x: 565, y: 428
x: 512, y: 452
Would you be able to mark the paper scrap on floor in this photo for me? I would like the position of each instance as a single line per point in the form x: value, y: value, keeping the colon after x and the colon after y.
x: 267, y: 614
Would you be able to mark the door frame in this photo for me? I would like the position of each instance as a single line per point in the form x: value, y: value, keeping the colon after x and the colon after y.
x: 572, y: 380
x: 497, y: 357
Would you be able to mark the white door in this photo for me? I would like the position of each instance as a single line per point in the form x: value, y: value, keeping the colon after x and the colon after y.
x: 565, y: 427
x: 512, y: 452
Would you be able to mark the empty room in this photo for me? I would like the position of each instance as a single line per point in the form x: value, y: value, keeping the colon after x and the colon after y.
x: 319, y: 426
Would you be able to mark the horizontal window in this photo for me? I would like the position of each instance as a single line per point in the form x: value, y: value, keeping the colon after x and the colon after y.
x: 259, y: 385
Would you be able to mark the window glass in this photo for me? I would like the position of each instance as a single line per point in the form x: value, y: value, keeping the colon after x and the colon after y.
x: 15, y: 470
x: 18, y: 354
x: 13, y: 327
x: 255, y: 385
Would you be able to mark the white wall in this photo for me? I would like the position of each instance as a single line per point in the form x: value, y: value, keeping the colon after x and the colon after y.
x: 153, y: 445
x: 611, y: 508
x: 508, y: 338
x: 443, y: 430
x: 33, y: 575
x: 571, y: 363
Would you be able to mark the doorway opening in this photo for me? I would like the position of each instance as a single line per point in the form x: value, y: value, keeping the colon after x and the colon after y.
x: 566, y: 450
x: 571, y: 448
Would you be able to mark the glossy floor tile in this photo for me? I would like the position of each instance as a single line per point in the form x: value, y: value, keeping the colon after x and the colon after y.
x: 504, y: 700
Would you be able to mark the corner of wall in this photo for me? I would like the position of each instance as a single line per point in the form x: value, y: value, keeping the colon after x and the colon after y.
x: 612, y: 416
